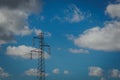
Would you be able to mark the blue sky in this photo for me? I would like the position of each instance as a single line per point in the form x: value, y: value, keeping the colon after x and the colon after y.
x: 84, y: 37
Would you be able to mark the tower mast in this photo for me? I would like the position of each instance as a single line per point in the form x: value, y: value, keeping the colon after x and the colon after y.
x: 41, y: 56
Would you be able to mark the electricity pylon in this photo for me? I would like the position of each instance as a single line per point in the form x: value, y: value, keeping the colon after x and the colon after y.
x: 41, y: 55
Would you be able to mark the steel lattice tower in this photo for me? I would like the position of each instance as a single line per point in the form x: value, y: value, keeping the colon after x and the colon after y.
x: 41, y: 56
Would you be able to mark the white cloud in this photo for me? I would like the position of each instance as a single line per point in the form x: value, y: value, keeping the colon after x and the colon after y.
x: 37, y: 31
x: 106, y: 38
x: 24, y: 52
x: 34, y: 72
x: 26, y: 31
x: 14, y: 16
x: 3, y: 74
x: 113, y: 10
x: 78, y: 50
x: 20, y: 51
x: 73, y: 14
x: 56, y: 71
x: 66, y: 72
x: 115, y: 73
x: 31, y: 72
x: 95, y: 71
x: 46, y: 34
x: 13, y: 22
x: 98, y: 72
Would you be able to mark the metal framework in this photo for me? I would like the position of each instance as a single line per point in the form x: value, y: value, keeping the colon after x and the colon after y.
x: 41, y: 55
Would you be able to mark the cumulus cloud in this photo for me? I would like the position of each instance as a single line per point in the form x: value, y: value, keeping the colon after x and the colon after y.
x: 13, y: 22
x: 3, y: 74
x: 37, y: 31
x: 98, y: 72
x: 34, y: 72
x: 113, y: 10
x: 106, y: 38
x: 23, y: 4
x: 46, y: 34
x: 14, y: 14
x: 24, y: 52
x: 95, y: 71
x: 115, y: 73
x: 20, y: 51
x: 78, y: 50
x: 56, y: 71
